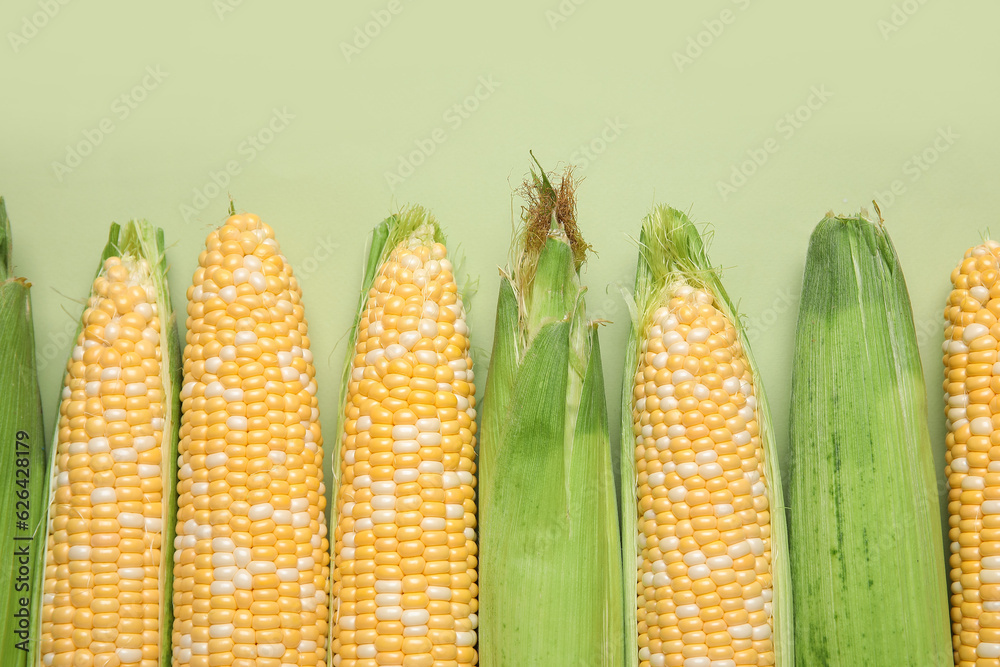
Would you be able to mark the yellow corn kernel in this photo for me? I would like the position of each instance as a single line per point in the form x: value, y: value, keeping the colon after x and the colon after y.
x: 405, y: 572
x: 106, y: 456
x: 703, y: 583
x: 970, y: 354
x: 252, y: 562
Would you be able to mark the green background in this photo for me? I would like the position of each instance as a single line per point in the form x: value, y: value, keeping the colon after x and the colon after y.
x: 896, y: 75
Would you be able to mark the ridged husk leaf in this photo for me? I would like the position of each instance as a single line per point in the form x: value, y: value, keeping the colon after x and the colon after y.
x: 22, y: 464
x: 867, y: 558
x: 550, y: 590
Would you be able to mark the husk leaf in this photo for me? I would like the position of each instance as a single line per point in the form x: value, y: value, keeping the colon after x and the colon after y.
x: 550, y: 594
x: 22, y: 464
x: 866, y: 542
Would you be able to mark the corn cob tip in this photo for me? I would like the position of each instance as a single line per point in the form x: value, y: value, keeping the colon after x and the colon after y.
x: 137, y: 246
x: 415, y: 221
x: 549, y: 251
x: 674, y: 257
x: 668, y: 229
x: 854, y: 231
x: 411, y: 222
x: 139, y: 241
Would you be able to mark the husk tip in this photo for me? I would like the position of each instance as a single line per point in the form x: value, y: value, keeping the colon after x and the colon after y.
x: 549, y: 210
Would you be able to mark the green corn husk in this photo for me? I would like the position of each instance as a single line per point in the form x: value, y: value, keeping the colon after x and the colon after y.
x: 672, y: 253
x: 867, y: 558
x: 550, y: 588
x: 22, y: 489
x: 142, y: 241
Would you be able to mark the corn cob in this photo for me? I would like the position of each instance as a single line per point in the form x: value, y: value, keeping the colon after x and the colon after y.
x: 702, y: 507
x: 866, y: 548
x: 23, y: 485
x: 405, y: 570
x: 551, y: 586
x: 252, y: 562
x: 972, y: 380
x: 107, y: 574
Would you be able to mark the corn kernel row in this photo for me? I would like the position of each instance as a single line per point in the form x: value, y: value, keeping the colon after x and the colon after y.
x: 251, y: 563
x: 972, y: 381
x: 103, y: 572
x: 704, y: 585
x: 404, y: 579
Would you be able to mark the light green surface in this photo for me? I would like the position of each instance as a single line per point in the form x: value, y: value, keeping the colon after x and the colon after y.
x: 322, y: 178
